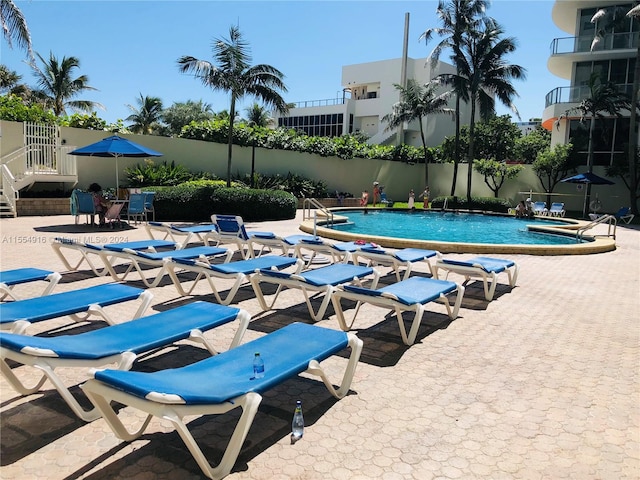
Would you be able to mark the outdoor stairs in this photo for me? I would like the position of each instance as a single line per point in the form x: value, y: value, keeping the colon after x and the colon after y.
x: 5, y: 208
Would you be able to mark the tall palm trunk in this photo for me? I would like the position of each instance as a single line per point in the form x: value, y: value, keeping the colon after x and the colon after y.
x: 232, y: 115
x: 456, y: 158
x: 472, y: 129
x: 633, y: 138
x: 424, y: 150
x: 592, y: 128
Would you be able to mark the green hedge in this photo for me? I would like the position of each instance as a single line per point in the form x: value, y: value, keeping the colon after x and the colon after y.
x: 197, y: 201
x: 486, y: 204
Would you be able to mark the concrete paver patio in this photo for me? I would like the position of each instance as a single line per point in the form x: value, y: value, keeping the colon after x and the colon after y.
x: 540, y: 383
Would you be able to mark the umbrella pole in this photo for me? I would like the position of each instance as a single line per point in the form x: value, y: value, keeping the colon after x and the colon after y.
x: 117, y: 182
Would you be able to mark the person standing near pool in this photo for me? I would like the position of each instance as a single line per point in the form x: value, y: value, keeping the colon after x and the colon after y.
x: 412, y: 197
x: 376, y: 193
x: 425, y: 196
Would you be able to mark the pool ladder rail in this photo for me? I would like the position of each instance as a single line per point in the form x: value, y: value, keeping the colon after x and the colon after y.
x: 307, y: 203
x: 611, y: 220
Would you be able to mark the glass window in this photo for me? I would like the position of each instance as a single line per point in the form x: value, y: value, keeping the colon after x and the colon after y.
x: 586, y: 27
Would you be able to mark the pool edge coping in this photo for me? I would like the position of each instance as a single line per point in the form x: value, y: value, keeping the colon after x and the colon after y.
x: 596, y: 244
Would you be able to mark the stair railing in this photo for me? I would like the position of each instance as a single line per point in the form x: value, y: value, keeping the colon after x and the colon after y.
x: 610, y: 220
x: 307, y: 203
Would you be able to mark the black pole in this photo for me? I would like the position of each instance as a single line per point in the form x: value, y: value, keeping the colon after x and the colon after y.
x: 253, y: 162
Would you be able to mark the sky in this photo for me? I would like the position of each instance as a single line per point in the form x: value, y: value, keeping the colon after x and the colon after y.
x: 129, y: 48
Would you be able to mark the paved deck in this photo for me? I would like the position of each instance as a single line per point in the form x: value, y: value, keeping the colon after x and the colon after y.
x: 540, y: 383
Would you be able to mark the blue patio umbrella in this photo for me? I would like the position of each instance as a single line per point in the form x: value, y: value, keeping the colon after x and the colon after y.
x: 115, y: 147
x: 587, y: 178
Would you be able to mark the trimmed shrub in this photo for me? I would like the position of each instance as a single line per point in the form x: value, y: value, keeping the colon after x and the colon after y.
x: 196, y: 201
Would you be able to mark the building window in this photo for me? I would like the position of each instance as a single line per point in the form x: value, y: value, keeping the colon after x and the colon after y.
x: 329, y: 125
x: 610, y: 139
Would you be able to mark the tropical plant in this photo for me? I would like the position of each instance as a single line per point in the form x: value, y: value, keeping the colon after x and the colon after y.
x: 147, y: 116
x: 496, y: 172
x: 150, y: 173
x: 14, y: 109
x: 183, y: 113
x: 88, y: 122
x: 483, y: 74
x: 604, y: 99
x: 416, y: 102
x: 258, y: 116
x: 10, y: 83
x: 58, y: 87
x: 552, y: 165
x: 458, y: 18
x: 233, y: 73
x: 15, y: 26
x: 528, y: 146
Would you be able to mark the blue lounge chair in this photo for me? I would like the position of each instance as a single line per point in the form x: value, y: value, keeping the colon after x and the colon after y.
x: 191, y: 233
x: 17, y: 316
x: 340, y: 252
x: 81, y: 203
x: 120, y: 344
x: 404, y: 258
x: 258, y: 243
x: 485, y: 268
x: 412, y: 294
x: 319, y: 280
x: 138, y: 259
x: 557, y: 209
x: 622, y: 215
x: 10, y: 278
x: 231, y: 229
x: 239, y: 272
x: 222, y: 383
x: 540, y: 208
x: 87, y: 250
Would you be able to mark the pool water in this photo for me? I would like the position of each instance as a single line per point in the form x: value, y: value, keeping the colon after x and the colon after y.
x: 451, y: 227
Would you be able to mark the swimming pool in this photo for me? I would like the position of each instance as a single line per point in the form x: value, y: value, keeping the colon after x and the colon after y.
x: 451, y: 227
x: 472, y: 233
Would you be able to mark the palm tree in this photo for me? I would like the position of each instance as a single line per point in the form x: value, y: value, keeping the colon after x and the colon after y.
x: 257, y: 116
x: 14, y: 26
x: 634, y: 13
x: 604, y: 100
x: 145, y: 118
x: 233, y: 73
x: 416, y: 102
x: 483, y: 74
x: 57, y: 86
x: 458, y: 18
x: 10, y: 83
x: 608, y: 20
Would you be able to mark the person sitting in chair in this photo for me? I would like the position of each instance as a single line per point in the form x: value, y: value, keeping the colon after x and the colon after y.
x: 100, y: 204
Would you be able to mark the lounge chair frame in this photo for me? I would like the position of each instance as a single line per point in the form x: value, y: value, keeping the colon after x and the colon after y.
x: 172, y: 407
x: 402, y: 259
x: 213, y: 273
x: 191, y: 234
x: 87, y: 250
x: 47, y: 360
x: 398, y: 306
x: 473, y: 269
x: 352, y: 274
x: 139, y: 259
x: 231, y: 229
x: 11, y: 278
x: 76, y: 306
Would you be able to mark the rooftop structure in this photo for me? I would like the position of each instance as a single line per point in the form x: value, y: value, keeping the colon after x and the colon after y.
x: 368, y: 93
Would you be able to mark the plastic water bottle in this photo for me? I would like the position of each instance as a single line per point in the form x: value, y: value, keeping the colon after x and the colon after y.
x: 258, y: 366
x: 297, y: 425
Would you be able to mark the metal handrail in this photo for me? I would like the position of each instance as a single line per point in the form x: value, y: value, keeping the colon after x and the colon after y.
x: 8, y: 182
x: 611, y: 220
x: 307, y: 203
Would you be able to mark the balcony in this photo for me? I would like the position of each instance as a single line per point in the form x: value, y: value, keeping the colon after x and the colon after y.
x: 577, y: 94
x: 320, y: 103
x: 567, y: 51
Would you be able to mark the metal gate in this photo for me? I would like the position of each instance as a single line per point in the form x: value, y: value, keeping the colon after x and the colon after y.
x: 41, y: 142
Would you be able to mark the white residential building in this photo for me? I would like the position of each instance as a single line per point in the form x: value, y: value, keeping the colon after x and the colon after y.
x: 573, y: 59
x: 368, y: 95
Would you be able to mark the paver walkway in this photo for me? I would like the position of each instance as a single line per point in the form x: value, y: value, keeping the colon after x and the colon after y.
x: 541, y: 383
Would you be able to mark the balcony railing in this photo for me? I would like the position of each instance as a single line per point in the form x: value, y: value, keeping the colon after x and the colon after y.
x: 577, y: 94
x: 320, y: 103
x: 613, y: 41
